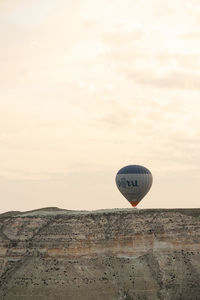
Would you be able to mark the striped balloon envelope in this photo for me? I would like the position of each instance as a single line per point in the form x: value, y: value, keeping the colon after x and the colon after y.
x: 134, y: 182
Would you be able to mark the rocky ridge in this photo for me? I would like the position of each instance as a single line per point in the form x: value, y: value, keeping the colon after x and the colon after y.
x: 52, y: 253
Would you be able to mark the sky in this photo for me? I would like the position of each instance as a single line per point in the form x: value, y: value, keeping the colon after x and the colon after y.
x: 87, y: 87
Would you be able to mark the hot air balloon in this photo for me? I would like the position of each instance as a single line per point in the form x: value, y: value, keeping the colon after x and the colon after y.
x: 134, y: 182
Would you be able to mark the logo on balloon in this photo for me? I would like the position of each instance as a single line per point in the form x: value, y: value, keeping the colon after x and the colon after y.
x: 127, y: 183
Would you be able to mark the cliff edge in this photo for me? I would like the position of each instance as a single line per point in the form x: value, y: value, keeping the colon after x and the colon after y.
x: 112, y: 254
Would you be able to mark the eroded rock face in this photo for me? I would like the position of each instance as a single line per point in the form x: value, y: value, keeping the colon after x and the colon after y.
x: 109, y: 254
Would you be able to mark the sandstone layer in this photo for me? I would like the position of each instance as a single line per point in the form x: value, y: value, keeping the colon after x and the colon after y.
x: 104, y: 255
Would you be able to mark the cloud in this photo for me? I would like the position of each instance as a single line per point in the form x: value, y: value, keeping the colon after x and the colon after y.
x: 116, y: 117
x: 164, y: 9
x: 156, y: 54
x: 173, y: 80
x: 88, y: 21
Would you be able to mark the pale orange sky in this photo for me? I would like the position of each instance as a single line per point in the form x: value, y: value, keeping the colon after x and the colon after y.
x: 87, y: 87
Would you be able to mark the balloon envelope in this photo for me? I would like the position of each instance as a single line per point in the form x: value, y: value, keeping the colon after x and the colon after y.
x: 134, y: 182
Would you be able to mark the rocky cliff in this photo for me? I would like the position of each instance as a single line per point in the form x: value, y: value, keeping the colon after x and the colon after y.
x: 108, y: 254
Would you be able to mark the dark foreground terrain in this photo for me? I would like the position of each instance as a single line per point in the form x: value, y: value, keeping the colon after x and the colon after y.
x: 101, y: 255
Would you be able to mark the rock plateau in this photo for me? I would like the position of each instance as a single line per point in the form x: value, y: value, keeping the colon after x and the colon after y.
x: 114, y: 254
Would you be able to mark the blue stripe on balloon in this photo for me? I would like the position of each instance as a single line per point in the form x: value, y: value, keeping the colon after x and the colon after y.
x: 134, y: 169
